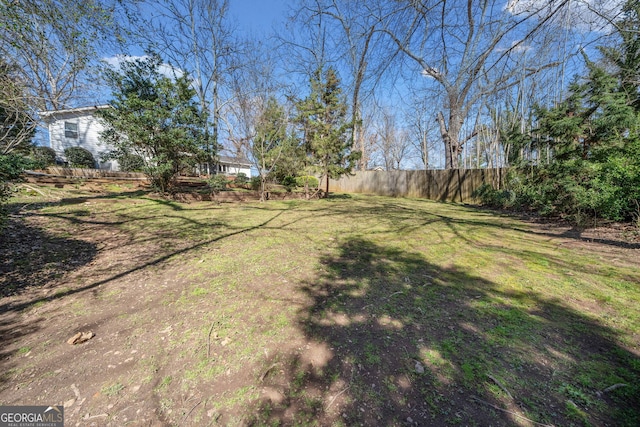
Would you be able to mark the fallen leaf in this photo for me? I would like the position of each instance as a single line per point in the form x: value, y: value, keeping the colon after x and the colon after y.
x: 80, y: 337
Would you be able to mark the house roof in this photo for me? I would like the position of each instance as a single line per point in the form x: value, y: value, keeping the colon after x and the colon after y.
x: 234, y: 161
x: 89, y: 109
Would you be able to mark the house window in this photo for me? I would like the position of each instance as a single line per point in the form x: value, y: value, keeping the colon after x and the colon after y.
x: 71, y: 130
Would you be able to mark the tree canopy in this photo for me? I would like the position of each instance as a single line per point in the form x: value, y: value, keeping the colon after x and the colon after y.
x: 593, y: 167
x: 326, y: 130
x: 156, y: 117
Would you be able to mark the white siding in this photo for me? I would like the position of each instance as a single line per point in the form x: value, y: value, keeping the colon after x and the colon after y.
x: 89, y: 128
x: 233, y: 169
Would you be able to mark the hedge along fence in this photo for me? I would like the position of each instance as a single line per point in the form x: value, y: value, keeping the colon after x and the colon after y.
x: 92, y: 173
x: 455, y: 185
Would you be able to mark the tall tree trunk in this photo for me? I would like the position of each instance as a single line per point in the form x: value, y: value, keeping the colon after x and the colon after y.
x: 326, y: 193
x: 450, y: 138
x: 425, y: 150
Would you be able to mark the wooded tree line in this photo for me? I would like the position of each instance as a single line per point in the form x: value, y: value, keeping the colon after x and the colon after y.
x: 580, y: 158
x: 339, y: 85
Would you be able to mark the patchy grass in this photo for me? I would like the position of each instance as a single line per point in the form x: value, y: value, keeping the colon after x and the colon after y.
x: 112, y: 389
x: 351, y: 310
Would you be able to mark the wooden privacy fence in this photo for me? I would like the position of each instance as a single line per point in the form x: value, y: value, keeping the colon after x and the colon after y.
x: 454, y: 185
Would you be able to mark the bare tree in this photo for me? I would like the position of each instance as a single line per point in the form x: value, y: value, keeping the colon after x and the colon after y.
x: 357, y: 45
x: 198, y: 36
x: 422, y: 128
x: 17, y: 124
x: 393, y: 144
x: 463, y: 48
x: 54, y: 43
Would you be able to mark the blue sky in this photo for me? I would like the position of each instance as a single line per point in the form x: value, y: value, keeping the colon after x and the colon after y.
x: 258, y: 15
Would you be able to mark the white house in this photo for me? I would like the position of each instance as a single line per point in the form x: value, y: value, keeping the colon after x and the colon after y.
x: 233, y: 166
x: 77, y: 127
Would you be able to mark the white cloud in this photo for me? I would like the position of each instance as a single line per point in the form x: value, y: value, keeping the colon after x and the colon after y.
x: 164, y: 69
x: 582, y: 15
x: 517, y: 46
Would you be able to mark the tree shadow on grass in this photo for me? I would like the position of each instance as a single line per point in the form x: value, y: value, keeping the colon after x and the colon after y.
x: 58, y: 256
x: 394, y: 340
x: 31, y: 258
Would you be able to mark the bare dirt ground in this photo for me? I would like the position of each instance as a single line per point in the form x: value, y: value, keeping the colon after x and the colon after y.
x: 127, y: 294
x: 61, y: 277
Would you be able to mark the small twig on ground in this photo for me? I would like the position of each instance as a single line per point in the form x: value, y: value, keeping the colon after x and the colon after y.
x: 21, y: 209
x: 288, y: 271
x: 509, y: 412
x: 189, y: 413
x: 395, y: 293
x: 97, y: 416
x: 209, y: 340
x: 613, y: 387
x: 336, y: 396
x: 499, y: 384
x: 34, y: 189
x: 263, y: 376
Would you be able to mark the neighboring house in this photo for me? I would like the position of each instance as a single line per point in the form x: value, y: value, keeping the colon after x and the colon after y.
x: 233, y: 166
x: 77, y: 127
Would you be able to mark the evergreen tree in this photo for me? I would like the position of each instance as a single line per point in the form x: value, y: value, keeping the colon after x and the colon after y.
x: 155, y: 117
x: 323, y: 116
x: 625, y: 56
x: 595, y: 170
x: 596, y: 115
x: 275, y: 152
x: 594, y: 138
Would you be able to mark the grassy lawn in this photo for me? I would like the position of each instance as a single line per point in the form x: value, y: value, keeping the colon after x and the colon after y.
x: 354, y: 310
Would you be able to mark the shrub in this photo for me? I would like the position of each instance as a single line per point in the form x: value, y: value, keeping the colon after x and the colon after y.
x: 241, y: 179
x: 130, y: 163
x: 161, y: 173
x: 255, y: 183
x: 43, y: 157
x: 289, y: 182
x: 491, y: 197
x: 79, y: 157
x: 311, y: 181
x: 218, y: 183
x: 11, y: 167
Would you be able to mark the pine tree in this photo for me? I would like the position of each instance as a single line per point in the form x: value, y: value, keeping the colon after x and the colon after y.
x: 323, y: 116
x: 595, y: 170
x: 625, y: 56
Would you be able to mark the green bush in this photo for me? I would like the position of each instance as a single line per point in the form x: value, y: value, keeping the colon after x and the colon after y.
x: 489, y: 196
x: 218, y: 183
x: 311, y: 181
x: 241, y: 179
x: 79, y: 157
x: 128, y: 162
x: 11, y: 168
x: 289, y: 182
x: 43, y: 157
x: 255, y: 183
x: 582, y: 190
x: 161, y: 173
